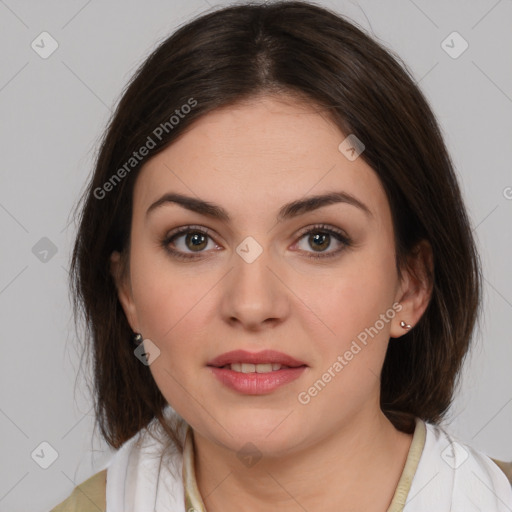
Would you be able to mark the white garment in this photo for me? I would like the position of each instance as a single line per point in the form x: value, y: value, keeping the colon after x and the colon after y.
x: 141, y: 479
x: 450, y: 477
x: 453, y: 477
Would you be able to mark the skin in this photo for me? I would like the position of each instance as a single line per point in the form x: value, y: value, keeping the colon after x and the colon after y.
x: 251, y: 159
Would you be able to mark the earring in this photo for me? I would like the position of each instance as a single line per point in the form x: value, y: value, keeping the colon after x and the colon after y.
x: 137, y: 338
x: 404, y: 325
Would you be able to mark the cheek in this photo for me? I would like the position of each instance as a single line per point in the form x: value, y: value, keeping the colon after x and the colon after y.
x: 357, y: 306
x: 173, y: 304
x: 350, y: 300
x: 169, y: 311
x: 161, y: 298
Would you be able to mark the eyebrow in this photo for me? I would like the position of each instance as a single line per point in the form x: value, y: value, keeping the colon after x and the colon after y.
x: 288, y: 211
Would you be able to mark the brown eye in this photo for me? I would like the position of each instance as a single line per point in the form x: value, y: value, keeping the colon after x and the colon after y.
x: 320, y: 238
x: 319, y: 241
x: 187, y: 240
x: 196, y: 241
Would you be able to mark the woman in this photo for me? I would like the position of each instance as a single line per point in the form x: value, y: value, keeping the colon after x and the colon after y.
x: 279, y: 278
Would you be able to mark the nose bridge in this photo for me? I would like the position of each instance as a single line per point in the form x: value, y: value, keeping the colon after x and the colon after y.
x: 254, y: 294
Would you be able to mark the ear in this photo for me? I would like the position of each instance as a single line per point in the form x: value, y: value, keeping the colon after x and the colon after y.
x: 415, y: 288
x: 124, y: 290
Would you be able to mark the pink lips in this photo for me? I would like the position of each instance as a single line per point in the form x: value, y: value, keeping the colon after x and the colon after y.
x: 256, y: 383
x: 265, y: 356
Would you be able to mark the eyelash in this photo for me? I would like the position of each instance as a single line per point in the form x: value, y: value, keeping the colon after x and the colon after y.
x: 319, y: 228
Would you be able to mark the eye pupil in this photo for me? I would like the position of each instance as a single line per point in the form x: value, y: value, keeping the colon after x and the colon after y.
x: 197, y: 239
x: 320, y: 238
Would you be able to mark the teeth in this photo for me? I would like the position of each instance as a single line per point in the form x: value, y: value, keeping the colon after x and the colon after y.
x: 255, y: 368
x: 263, y: 368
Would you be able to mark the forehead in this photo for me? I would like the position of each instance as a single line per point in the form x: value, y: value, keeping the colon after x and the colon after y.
x: 257, y: 155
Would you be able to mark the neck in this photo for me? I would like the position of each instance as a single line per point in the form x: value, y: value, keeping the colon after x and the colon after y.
x: 368, y: 453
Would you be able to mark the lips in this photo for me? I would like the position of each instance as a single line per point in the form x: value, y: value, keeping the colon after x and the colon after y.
x: 255, y: 358
x: 255, y: 373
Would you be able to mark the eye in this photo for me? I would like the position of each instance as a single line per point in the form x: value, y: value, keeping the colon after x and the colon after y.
x: 320, y: 238
x: 183, y: 242
x: 187, y: 240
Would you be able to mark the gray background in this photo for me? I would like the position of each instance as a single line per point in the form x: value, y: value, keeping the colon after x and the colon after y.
x: 52, y: 114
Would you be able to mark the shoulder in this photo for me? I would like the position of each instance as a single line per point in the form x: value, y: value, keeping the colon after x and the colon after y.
x: 89, y: 495
x: 464, y: 477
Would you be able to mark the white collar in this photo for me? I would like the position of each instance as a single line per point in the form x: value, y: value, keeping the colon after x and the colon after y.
x: 145, y: 474
x: 454, y: 477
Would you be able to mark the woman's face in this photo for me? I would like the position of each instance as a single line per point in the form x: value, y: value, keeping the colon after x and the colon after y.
x: 269, y: 275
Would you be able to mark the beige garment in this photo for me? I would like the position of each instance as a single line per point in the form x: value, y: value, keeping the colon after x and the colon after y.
x: 89, y: 496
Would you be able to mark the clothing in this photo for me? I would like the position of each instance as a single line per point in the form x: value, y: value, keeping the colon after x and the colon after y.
x: 86, y: 497
x: 441, y: 474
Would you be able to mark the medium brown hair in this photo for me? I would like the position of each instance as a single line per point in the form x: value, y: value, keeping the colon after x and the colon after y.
x: 295, y: 48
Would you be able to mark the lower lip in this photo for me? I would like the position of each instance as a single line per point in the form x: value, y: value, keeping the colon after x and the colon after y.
x: 257, y: 383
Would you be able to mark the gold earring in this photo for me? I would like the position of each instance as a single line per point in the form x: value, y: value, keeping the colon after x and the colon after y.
x: 404, y: 325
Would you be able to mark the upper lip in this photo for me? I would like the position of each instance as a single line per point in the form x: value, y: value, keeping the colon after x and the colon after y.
x: 265, y: 356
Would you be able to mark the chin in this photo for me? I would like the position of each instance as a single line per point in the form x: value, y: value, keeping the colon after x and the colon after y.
x: 270, y: 435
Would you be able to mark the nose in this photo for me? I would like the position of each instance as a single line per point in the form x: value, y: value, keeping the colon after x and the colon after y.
x: 254, y: 296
